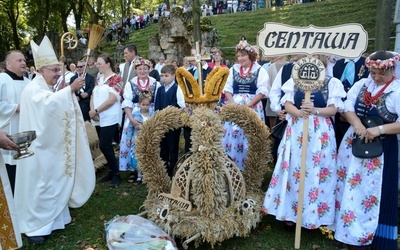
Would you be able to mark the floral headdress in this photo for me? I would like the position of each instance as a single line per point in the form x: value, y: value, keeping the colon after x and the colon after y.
x: 141, y: 61
x: 248, y: 48
x: 382, y: 64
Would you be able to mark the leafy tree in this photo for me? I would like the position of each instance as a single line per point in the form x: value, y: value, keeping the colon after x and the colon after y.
x: 12, y: 9
x: 95, y: 9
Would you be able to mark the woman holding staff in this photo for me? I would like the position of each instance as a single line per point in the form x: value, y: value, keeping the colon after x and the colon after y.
x: 366, y: 198
x: 282, y: 196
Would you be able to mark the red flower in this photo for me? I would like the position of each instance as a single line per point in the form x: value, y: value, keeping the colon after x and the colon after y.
x: 376, y: 162
x: 341, y: 173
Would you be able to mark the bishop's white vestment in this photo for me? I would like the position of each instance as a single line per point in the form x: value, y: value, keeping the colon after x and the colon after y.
x: 61, y: 174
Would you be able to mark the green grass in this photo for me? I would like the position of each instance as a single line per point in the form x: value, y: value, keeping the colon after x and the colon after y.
x: 87, y: 228
x: 231, y: 27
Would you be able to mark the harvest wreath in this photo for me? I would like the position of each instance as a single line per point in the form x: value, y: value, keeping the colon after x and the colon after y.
x: 209, y: 198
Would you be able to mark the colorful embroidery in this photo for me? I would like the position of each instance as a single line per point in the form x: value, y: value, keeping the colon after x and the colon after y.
x: 369, y: 202
x: 313, y: 195
x: 274, y: 181
x: 354, y: 181
x: 323, y: 208
x: 324, y: 175
x: 348, y: 218
x: 366, y: 239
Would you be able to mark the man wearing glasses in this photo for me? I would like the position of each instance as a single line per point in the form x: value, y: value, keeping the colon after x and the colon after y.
x: 85, y: 92
x: 61, y: 172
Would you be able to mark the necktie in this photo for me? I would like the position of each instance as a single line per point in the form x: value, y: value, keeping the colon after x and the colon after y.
x: 349, y: 72
x: 196, y: 74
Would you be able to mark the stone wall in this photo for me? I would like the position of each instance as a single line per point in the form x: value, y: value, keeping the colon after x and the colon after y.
x: 174, y: 39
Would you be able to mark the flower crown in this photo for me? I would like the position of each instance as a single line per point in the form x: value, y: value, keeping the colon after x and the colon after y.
x: 247, y: 47
x: 382, y: 64
x: 141, y: 61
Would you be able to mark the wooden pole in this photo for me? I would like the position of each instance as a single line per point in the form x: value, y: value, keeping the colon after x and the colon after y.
x: 199, y: 68
x: 196, y: 21
x: 302, y: 177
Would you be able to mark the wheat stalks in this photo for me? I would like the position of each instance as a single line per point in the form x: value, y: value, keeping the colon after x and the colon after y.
x: 95, y: 35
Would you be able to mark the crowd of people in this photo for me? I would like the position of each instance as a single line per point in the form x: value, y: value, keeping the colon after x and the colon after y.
x: 356, y: 197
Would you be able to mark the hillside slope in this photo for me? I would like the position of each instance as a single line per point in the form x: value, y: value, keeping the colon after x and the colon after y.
x: 231, y: 27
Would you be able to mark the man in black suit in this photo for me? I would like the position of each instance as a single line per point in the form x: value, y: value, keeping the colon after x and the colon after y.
x: 85, y: 93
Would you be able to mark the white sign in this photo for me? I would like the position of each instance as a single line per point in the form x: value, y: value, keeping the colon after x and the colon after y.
x: 347, y: 40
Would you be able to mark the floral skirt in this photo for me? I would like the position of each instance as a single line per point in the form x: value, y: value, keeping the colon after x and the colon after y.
x: 281, y: 198
x: 234, y: 140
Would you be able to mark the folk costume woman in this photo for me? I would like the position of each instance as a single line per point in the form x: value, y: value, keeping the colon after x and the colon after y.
x: 366, y: 199
x: 281, y: 198
x: 105, y: 107
x: 139, y: 84
x: 246, y: 85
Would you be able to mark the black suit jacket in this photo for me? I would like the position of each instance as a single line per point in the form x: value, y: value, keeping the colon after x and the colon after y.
x: 89, y: 86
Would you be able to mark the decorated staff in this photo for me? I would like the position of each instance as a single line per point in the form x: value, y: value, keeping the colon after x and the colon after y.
x: 72, y: 41
x: 95, y: 35
x: 309, y: 75
x: 304, y: 172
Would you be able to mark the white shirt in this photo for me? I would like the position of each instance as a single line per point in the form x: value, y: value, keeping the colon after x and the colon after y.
x: 158, y: 67
x: 275, y: 92
x: 335, y: 90
x: 113, y: 114
x: 10, y: 97
x: 390, y: 100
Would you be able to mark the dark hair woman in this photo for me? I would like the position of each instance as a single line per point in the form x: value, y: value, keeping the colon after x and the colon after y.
x: 105, y: 110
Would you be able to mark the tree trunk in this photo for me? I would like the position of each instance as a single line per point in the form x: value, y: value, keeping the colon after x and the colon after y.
x: 384, y: 14
x: 13, y: 20
x: 12, y: 10
x: 196, y: 21
x: 95, y: 17
x: 64, y: 18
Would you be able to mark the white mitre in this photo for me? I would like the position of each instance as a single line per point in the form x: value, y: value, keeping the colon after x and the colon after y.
x: 43, y: 54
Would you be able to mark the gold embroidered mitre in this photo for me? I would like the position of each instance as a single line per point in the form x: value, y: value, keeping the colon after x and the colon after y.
x: 43, y: 54
x: 215, y: 83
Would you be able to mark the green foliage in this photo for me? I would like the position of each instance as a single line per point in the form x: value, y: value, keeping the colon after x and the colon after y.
x: 87, y: 227
x: 231, y: 27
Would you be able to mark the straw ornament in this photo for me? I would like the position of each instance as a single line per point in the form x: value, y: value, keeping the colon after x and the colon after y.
x: 209, y: 198
x: 95, y: 35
